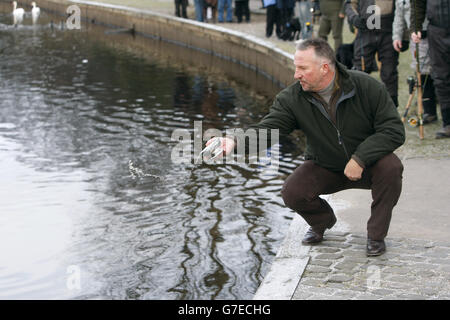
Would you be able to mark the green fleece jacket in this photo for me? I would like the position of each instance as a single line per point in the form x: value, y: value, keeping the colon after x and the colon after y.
x: 367, y: 125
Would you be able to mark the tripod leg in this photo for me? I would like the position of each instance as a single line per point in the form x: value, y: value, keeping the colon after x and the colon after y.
x: 408, y: 105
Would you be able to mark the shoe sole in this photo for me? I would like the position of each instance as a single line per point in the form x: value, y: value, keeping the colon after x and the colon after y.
x: 311, y: 243
x: 375, y: 254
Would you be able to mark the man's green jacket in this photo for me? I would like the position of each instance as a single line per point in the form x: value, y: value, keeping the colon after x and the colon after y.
x: 367, y: 124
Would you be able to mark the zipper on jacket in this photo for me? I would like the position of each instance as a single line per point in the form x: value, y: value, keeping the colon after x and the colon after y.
x: 323, y: 111
x: 341, y: 142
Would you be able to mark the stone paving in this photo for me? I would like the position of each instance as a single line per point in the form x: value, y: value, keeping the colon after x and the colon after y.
x: 410, y: 269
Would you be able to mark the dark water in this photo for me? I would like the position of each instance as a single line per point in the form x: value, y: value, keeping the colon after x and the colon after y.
x: 75, y: 108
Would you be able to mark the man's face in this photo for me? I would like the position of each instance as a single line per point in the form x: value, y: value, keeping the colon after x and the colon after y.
x: 308, y: 70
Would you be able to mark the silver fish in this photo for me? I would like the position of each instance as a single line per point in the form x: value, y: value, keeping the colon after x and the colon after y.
x: 212, y: 151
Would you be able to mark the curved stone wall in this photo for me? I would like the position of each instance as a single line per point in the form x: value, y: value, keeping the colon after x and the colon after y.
x: 252, y: 52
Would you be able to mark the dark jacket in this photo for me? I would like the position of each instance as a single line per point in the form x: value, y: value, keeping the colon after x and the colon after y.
x: 437, y: 12
x: 367, y: 123
x: 359, y: 8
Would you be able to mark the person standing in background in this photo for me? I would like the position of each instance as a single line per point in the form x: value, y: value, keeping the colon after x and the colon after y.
x: 229, y: 5
x: 374, y: 38
x: 332, y: 19
x: 183, y: 4
x: 272, y: 17
x: 400, y: 28
x: 199, y: 10
x: 242, y: 9
x: 286, y: 8
x: 438, y: 33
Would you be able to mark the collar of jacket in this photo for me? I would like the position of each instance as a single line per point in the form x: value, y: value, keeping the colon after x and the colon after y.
x: 345, y: 82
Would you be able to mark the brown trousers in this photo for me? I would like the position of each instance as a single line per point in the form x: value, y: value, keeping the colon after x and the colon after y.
x: 302, y: 188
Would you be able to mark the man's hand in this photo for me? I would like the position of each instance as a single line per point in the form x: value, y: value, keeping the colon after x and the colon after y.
x: 416, y: 37
x: 359, y: 23
x: 397, y: 44
x: 353, y: 170
x: 227, y: 145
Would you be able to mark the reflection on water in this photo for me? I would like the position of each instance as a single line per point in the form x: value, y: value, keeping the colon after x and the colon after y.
x: 77, y: 110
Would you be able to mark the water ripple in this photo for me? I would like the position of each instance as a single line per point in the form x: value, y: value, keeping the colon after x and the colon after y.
x: 69, y: 130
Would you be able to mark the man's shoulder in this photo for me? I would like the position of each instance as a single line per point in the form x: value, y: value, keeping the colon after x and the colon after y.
x: 291, y: 91
x: 362, y: 79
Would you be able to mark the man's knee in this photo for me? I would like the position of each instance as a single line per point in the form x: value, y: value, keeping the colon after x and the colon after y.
x: 288, y: 196
x: 295, y: 192
x: 390, y: 167
x: 294, y: 196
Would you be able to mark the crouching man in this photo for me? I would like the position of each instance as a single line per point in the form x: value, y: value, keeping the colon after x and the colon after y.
x: 352, y: 128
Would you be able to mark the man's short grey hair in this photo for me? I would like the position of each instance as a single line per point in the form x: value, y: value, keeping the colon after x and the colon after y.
x: 321, y: 48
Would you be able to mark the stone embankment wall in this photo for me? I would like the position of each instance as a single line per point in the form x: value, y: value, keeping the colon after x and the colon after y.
x: 254, y: 53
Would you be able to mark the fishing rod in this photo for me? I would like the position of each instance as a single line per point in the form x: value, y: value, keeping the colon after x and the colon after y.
x: 419, y: 80
x: 363, y: 63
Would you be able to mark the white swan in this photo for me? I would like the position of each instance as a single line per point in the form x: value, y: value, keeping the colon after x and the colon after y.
x: 17, y: 13
x: 35, y: 12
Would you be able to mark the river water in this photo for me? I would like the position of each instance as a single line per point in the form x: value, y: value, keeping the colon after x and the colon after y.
x: 81, y: 113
